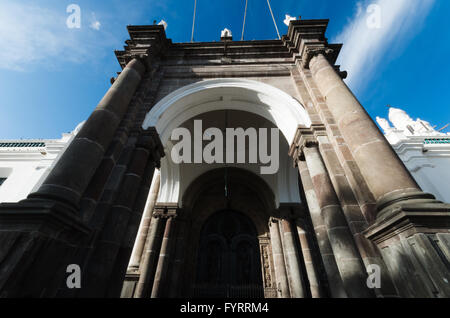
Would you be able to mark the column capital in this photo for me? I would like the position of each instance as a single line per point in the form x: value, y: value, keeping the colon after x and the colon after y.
x: 273, y: 220
x: 166, y: 210
x: 312, y: 50
x: 316, y: 54
x: 287, y: 211
x: 305, y: 138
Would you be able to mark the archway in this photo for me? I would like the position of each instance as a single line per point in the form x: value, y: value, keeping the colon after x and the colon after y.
x: 198, y: 191
x: 227, y: 93
x: 261, y: 100
x: 232, y: 223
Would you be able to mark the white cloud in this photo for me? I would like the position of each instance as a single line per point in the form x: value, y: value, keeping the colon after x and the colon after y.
x: 95, y: 24
x: 31, y: 36
x: 367, y: 42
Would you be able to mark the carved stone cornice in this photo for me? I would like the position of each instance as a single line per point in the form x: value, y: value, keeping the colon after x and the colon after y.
x: 302, y: 30
x: 147, y: 43
x: 166, y: 210
x: 306, y: 39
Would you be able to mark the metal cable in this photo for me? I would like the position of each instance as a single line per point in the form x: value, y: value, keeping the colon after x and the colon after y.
x: 245, y: 15
x: 193, y: 21
x: 274, y: 22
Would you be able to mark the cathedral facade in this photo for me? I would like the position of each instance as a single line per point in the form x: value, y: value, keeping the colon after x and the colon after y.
x: 338, y: 216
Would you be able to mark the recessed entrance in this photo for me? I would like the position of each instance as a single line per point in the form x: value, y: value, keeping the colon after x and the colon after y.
x: 228, y: 258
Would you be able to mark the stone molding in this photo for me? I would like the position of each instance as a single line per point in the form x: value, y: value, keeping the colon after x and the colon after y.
x: 409, y: 219
x: 306, y: 39
x: 52, y: 219
x: 147, y: 43
x: 305, y: 138
x: 149, y: 140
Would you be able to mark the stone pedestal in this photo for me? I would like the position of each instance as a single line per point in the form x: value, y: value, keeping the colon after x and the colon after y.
x: 38, y: 241
x: 414, y: 239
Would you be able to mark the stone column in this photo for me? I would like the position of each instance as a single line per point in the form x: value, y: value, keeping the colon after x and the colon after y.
x: 329, y: 262
x: 278, y: 260
x: 164, y: 258
x: 293, y: 260
x: 72, y: 173
x: 113, y: 234
x: 180, y: 252
x: 384, y: 172
x: 138, y: 248
x: 129, y: 238
x: 348, y: 260
x: 311, y: 267
x: 149, y: 258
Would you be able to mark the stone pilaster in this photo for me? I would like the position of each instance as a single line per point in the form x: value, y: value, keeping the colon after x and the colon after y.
x: 179, y: 257
x: 291, y: 254
x: 123, y: 257
x: 349, y: 204
x: 278, y: 259
x: 149, y: 258
x: 334, y: 280
x: 310, y: 265
x: 169, y: 213
x: 138, y: 248
x: 348, y: 259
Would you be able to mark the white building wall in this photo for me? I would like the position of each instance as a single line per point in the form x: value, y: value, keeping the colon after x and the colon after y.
x: 25, y: 166
x: 425, y: 151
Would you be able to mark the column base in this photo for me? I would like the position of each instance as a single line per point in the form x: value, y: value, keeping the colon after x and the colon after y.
x: 414, y: 239
x: 385, y: 204
x: 39, y: 239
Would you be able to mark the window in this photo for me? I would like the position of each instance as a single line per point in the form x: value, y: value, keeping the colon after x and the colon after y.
x: 2, y: 180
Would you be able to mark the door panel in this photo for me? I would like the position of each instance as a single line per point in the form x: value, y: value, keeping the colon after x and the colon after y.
x: 228, y: 259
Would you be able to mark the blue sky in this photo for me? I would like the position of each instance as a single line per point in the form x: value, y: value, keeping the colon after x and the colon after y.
x: 52, y: 77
